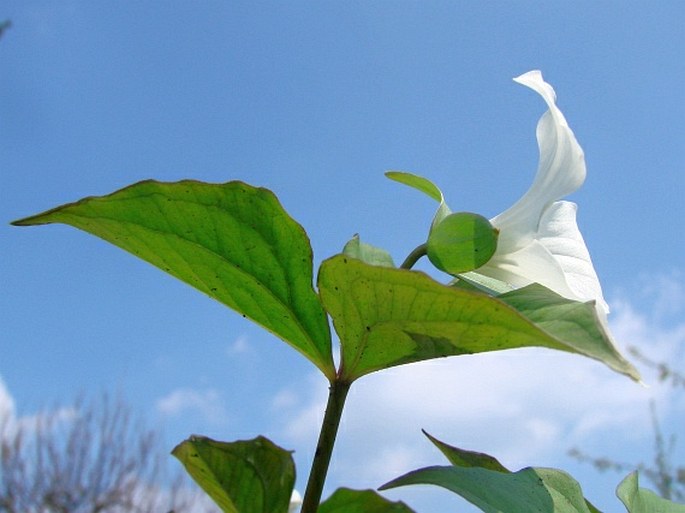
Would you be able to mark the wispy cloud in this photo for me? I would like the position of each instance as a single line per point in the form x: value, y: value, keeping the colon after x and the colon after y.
x: 11, y: 422
x: 7, y: 406
x: 207, y: 403
x: 240, y: 345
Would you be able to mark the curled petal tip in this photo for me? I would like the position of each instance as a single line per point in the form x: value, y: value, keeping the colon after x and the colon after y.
x: 534, y: 74
x: 534, y: 80
x: 540, y: 240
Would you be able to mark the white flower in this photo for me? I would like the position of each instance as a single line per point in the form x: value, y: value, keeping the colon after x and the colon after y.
x: 539, y: 239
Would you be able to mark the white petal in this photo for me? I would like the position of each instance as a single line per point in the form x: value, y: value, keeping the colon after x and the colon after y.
x: 530, y: 264
x: 556, y: 258
x: 561, y: 170
x: 559, y: 234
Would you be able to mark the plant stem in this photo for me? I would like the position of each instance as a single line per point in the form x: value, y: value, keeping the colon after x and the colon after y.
x: 324, y: 448
x: 412, y: 258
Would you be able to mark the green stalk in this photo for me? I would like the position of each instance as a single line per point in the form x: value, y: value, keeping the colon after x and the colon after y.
x: 324, y: 448
x: 331, y: 422
x: 413, y: 257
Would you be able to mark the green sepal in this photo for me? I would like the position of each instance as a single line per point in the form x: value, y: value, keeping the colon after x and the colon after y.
x: 475, y: 281
x: 367, y: 253
x: 427, y: 187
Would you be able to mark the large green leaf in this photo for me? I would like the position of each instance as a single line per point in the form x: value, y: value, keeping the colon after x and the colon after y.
x: 387, y: 317
x: 530, y: 490
x: 232, y: 241
x: 251, y: 476
x: 472, y: 459
x: 641, y: 500
x: 345, y: 500
x: 574, y: 323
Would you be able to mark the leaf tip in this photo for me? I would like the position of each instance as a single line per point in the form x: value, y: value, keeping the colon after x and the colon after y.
x: 24, y: 221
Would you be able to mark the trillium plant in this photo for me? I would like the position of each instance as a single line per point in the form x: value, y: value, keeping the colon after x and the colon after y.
x: 521, y: 279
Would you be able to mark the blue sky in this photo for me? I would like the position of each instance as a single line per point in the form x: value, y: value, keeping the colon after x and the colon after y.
x: 315, y: 100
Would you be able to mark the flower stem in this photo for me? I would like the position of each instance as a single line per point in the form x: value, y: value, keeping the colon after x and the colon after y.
x: 324, y: 448
x: 413, y: 257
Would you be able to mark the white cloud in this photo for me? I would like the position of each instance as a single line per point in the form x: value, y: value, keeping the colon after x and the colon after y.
x: 7, y: 407
x: 665, y: 293
x: 207, y: 403
x: 303, y: 412
x: 285, y: 399
x: 525, y: 406
x: 239, y: 346
x: 183, y: 496
x: 11, y: 422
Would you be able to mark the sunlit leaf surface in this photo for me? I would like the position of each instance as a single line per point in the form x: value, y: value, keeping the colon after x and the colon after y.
x: 387, y: 317
x: 232, y: 241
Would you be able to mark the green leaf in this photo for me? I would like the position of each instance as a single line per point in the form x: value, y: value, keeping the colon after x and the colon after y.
x: 232, y: 241
x: 345, y: 500
x: 530, y: 490
x: 461, y: 242
x: 464, y: 458
x: 641, y: 500
x: 417, y: 182
x: 472, y: 459
x: 386, y: 317
x: 573, y: 323
x: 427, y: 187
x: 372, y: 255
x: 250, y: 476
